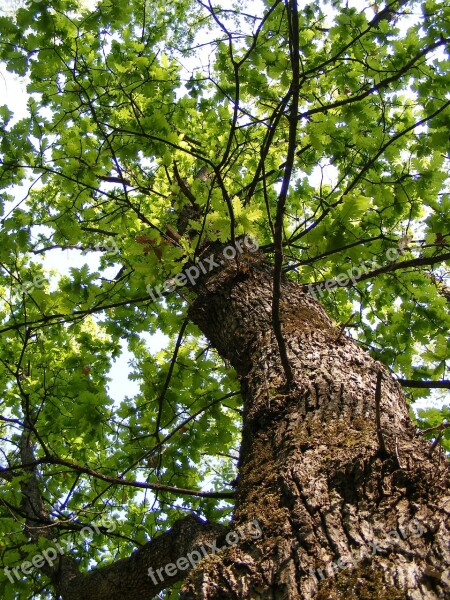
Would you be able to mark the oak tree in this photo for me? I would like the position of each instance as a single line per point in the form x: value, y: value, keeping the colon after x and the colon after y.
x: 265, y: 183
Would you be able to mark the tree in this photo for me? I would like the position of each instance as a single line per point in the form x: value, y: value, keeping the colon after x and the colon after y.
x: 268, y: 186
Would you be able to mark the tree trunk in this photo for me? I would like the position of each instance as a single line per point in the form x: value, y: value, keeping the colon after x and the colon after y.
x: 349, y: 501
x: 332, y: 468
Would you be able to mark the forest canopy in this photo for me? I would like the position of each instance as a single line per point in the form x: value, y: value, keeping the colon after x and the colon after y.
x: 319, y: 133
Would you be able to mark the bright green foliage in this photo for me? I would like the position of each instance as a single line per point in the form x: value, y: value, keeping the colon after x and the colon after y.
x: 437, y: 421
x: 132, y: 103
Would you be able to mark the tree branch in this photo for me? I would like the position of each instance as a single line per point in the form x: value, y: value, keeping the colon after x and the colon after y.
x: 54, y: 460
x: 411, y: 383
x: 293, y: 20
x: 143, y: 574
x: 414, y: 262
x: 384, y: 83
x: 437, y: 428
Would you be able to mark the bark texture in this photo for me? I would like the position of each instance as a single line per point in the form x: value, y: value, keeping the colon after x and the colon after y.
x: 129, y: 578
x: 351, y: 501
x: 332, y: 468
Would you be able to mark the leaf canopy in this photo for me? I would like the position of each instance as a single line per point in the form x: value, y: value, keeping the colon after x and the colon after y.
x: 150, y: 117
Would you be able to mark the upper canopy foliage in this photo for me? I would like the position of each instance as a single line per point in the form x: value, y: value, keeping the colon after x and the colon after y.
x: 148, y: 118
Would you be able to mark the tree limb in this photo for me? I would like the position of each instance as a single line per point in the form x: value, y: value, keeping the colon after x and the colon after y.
x: 130, y: 577
x: 293, y: 19
x: 411, y: 383
x: 54, y: 460
x: 406, y: 264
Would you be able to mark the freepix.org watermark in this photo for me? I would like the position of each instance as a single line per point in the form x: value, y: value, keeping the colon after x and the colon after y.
x: 353, y: 274
x: 331, y: 569
x: 51, y: 554
x: 204, y: 266
x: 251, y: 530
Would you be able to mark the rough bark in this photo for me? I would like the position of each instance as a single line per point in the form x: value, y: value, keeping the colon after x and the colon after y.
x: 332, y: 468
x: 129, y: 578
